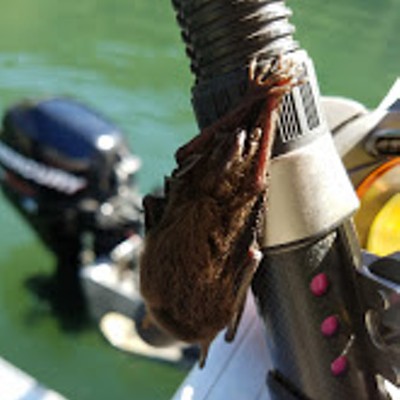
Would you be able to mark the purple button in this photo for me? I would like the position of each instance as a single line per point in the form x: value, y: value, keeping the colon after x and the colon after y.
x: 339, y: 366
x: 330, y: 325
x: 319, y: 284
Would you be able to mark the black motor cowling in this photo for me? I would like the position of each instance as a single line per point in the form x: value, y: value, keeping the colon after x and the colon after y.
x: 69, y: 172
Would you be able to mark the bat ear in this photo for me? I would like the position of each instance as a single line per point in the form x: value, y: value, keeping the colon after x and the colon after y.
x: 153, y: 211
x: 204, y: 347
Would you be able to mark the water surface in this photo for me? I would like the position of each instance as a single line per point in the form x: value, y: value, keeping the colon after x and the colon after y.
x: 126, y: 59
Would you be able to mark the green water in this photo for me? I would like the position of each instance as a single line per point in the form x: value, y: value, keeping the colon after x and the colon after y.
x: 126, y: 59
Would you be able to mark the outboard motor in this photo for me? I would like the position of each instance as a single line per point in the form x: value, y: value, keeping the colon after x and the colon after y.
x: 70, y: 174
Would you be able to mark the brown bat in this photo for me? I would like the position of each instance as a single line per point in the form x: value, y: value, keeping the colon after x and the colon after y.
x: 201, y: 248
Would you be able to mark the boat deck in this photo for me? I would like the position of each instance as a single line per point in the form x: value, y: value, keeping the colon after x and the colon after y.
x: 17, y: 385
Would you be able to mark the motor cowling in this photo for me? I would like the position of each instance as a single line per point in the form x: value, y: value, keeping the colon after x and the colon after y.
x: 68, y: 171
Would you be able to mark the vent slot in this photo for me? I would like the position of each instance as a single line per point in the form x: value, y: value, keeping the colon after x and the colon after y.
x: 310, y: 109
x: 288, y: 127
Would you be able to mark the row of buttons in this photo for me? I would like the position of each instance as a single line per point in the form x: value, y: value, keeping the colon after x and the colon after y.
x: 330, y: 326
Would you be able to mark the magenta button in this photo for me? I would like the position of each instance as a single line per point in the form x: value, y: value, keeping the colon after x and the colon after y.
x: 319, y: 284
x: 330, y: 325
x: 339, y: 366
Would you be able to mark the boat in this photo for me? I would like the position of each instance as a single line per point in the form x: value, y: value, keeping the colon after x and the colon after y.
x: 18, y: 385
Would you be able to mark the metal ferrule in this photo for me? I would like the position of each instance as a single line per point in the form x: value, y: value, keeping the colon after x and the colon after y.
x: 309, y: 194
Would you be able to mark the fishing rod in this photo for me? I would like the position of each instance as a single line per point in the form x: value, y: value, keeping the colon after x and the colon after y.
x: 320, y: 300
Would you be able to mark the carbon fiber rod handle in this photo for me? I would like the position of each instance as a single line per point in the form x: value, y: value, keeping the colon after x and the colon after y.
x: 314, y: 318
